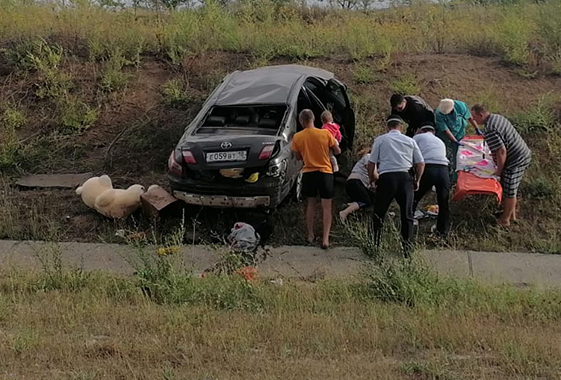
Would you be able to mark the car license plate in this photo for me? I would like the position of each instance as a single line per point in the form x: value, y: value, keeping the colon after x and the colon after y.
x: 226, y: 156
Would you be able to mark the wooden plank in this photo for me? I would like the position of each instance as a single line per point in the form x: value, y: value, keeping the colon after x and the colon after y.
x: 60, y: 181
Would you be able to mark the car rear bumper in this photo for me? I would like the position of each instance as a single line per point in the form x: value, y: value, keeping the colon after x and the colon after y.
x: 266, y: 193
x: 223, y: 200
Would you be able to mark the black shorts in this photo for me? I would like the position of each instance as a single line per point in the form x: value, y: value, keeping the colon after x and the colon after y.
x: 358, y: 192
x: 314, y: 183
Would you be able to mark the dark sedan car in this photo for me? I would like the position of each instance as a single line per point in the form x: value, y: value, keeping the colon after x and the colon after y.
x: 236, y: 152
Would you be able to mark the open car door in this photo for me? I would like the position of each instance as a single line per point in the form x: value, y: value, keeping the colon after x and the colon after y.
x: 338, y: 100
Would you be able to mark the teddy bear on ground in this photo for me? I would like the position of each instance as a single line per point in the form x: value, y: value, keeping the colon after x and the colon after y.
x: 92, y: 188
x: 118, y: 203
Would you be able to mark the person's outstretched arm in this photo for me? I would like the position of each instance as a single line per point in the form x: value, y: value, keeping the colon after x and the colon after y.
x: 418, y: 163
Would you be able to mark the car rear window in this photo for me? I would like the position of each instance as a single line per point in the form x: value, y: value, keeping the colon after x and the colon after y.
x: 243, y: 120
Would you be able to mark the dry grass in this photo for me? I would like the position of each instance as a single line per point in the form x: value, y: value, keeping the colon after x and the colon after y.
x: 107, y: 329
x: 527, y: 34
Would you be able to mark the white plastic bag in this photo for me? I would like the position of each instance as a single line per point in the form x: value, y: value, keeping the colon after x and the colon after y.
x: 243, y: 237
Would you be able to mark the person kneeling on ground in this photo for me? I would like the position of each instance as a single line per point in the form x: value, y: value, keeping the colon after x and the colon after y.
x: 335, y: 130
x: 312, y: 145
x: 358, y: 186
x: 436, y: 174
x: 511, y: 154
x: 391, y: 160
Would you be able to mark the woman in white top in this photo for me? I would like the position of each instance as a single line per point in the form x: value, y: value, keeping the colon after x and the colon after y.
x: 358, y: 185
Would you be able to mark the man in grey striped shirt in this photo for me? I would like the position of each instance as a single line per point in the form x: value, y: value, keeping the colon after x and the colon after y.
x: 511, y: 155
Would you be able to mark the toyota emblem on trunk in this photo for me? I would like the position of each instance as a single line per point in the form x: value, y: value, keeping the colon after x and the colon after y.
x: 226, y: 145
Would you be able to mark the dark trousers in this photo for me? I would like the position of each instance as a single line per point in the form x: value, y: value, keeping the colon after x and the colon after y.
x: 439, y: 177
x: 398, y: 186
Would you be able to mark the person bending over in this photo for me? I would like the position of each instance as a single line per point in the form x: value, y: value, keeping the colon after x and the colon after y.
x: 413, y: 110
x: 511, y: 154
x: 436, y: 174
x: 392, y: 157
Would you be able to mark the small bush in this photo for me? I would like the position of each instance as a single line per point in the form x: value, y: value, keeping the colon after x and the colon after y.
x: 408, y: 84
x: 540, y: 118
x: 363, y: 75
x: 76, y: 116
x: 10, y: 151
x: 113, y: 78
x: 13, y: 117
x: 174, y: 94
x: 46, y: 60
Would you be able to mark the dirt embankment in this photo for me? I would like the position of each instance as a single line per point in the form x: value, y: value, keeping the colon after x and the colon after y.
x: 136, y: 130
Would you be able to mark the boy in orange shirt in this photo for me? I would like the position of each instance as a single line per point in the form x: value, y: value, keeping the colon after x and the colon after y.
x: 312, y: 145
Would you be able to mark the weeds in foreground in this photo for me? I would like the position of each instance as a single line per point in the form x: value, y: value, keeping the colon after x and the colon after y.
x: 55, y: 276
x: 163, y: 277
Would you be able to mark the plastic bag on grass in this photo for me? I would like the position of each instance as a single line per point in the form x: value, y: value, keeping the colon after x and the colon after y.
x: 243, y: 237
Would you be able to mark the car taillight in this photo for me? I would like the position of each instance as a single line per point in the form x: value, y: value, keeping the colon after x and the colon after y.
x: 266, y: 152
x: 189, y: 157
x: 174, y: 167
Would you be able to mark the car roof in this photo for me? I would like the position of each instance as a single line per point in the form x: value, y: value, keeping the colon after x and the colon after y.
x: 266, y: 85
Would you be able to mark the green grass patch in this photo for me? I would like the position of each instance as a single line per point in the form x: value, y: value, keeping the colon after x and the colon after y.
x: 407, y: 84
x: 174, y: 93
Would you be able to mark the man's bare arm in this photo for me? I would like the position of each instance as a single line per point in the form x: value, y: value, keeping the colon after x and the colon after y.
x: 419, y: 170
x: 500, y: 158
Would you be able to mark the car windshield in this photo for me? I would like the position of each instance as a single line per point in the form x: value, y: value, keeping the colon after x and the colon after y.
x: 241, y: 120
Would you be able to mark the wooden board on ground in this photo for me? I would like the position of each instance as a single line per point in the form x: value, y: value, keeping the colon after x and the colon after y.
x: 60, y: 181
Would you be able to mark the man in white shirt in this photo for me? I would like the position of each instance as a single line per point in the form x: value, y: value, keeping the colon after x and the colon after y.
x: 436, y: 174
x: 391, y: 160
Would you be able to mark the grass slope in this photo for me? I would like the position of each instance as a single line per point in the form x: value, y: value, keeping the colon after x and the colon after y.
x: 87, y: 89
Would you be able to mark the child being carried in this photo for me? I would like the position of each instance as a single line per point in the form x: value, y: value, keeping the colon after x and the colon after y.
x: 334, y: 129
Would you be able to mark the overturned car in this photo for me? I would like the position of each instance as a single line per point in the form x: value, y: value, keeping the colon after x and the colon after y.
x: 236, y: 152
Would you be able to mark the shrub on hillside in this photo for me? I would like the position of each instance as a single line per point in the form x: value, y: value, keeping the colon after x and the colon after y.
x: 174, y: 93
x: 407, y: 84
x: 76, y: 116
x: 113, y: 78
x: 10, y: 151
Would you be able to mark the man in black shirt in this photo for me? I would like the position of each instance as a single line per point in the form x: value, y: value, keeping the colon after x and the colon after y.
x: 413, y: 110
